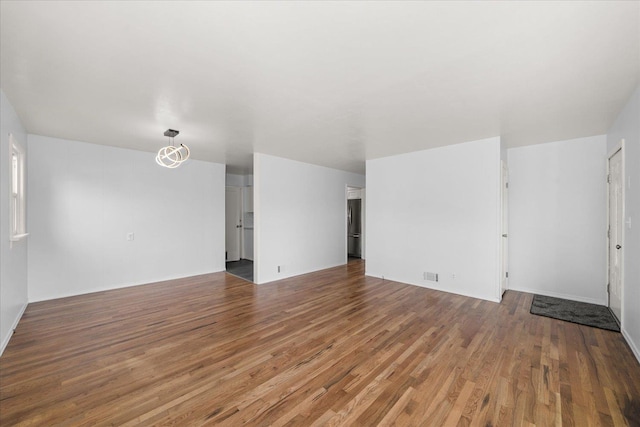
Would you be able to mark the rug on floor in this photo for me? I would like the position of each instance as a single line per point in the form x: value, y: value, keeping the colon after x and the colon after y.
x: 582, y: 313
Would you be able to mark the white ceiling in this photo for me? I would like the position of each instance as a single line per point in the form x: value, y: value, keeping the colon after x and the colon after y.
x: 330, y: 83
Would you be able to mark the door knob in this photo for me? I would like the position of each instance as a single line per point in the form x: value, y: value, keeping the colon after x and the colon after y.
x: 238, y: 226
x: 618, y: 246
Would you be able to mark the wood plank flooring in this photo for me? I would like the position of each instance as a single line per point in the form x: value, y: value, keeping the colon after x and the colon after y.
x: 328, y: 348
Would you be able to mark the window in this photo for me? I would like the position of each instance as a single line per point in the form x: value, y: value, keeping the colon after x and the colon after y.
x: 18, y: 214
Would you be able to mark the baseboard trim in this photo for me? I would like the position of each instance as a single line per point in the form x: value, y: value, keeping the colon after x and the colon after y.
x: 420, y: 285
x: 114, y: 287
x: 560, y: 295
x: 5, y: 342
x: 289, y: 275
x: 632, y: 345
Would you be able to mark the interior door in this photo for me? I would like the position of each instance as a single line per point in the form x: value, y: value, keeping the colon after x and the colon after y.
x: 504, y: 247
x: 616, y: 228
x: 233, y: 222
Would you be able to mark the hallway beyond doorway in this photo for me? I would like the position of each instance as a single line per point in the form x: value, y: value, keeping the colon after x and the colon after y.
x: 242, y: 268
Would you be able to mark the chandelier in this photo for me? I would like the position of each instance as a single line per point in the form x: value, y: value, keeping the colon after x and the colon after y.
x: 172, y: 156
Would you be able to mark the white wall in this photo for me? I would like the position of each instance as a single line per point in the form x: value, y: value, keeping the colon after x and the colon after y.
x: 437, y: 211
x: 557, y: 219
x: 300, y: 217
x: 83, y: 201
x: 13, y: 259
x: 363, y: 227
x: 627, y: 127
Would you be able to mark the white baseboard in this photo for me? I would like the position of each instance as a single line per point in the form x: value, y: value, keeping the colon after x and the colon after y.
x: 560, y: 295
x: 6, y: 340
x: 422, y: 285
x: 634, y: 347
x: 111, y: 287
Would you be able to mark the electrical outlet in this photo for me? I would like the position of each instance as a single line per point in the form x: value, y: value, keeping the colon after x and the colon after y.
x: 130, y: 237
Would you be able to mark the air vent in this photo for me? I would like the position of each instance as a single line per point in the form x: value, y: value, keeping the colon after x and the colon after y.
x: 432, y: 277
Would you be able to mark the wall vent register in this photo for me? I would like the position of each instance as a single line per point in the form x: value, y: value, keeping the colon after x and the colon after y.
x: 432, y: 277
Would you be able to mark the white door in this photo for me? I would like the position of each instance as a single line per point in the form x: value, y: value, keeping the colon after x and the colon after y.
x: 504, y: 247
x: 233, y: 222
x: 616, y: 228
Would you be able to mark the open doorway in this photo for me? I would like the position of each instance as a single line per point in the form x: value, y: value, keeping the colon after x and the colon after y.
x: 355, y: 222
x: 239, y: 226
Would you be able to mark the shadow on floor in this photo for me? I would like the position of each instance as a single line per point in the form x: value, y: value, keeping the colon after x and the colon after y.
x: 242, y: 268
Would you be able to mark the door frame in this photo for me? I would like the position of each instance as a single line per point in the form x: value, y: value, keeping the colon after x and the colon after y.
x: 618, y: 147
x: 363, y: 196
x: 504, y: 228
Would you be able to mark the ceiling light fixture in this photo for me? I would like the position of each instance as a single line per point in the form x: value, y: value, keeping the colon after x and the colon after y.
x: 171, y: 156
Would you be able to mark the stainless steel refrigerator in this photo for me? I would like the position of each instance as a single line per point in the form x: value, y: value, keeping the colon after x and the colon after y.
x: 354, y: 218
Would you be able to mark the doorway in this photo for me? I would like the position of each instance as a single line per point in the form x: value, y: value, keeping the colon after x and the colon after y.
x: 615, y: 191
x: 355, y: 223
x: 239, y: 228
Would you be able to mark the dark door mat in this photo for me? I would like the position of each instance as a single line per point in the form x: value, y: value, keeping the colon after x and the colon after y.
x: 582, y: 313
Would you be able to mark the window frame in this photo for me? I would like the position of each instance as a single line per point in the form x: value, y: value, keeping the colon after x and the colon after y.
x: 17, y: 191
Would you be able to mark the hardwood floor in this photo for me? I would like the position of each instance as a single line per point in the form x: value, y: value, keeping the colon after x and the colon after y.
x: 328, y: 348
